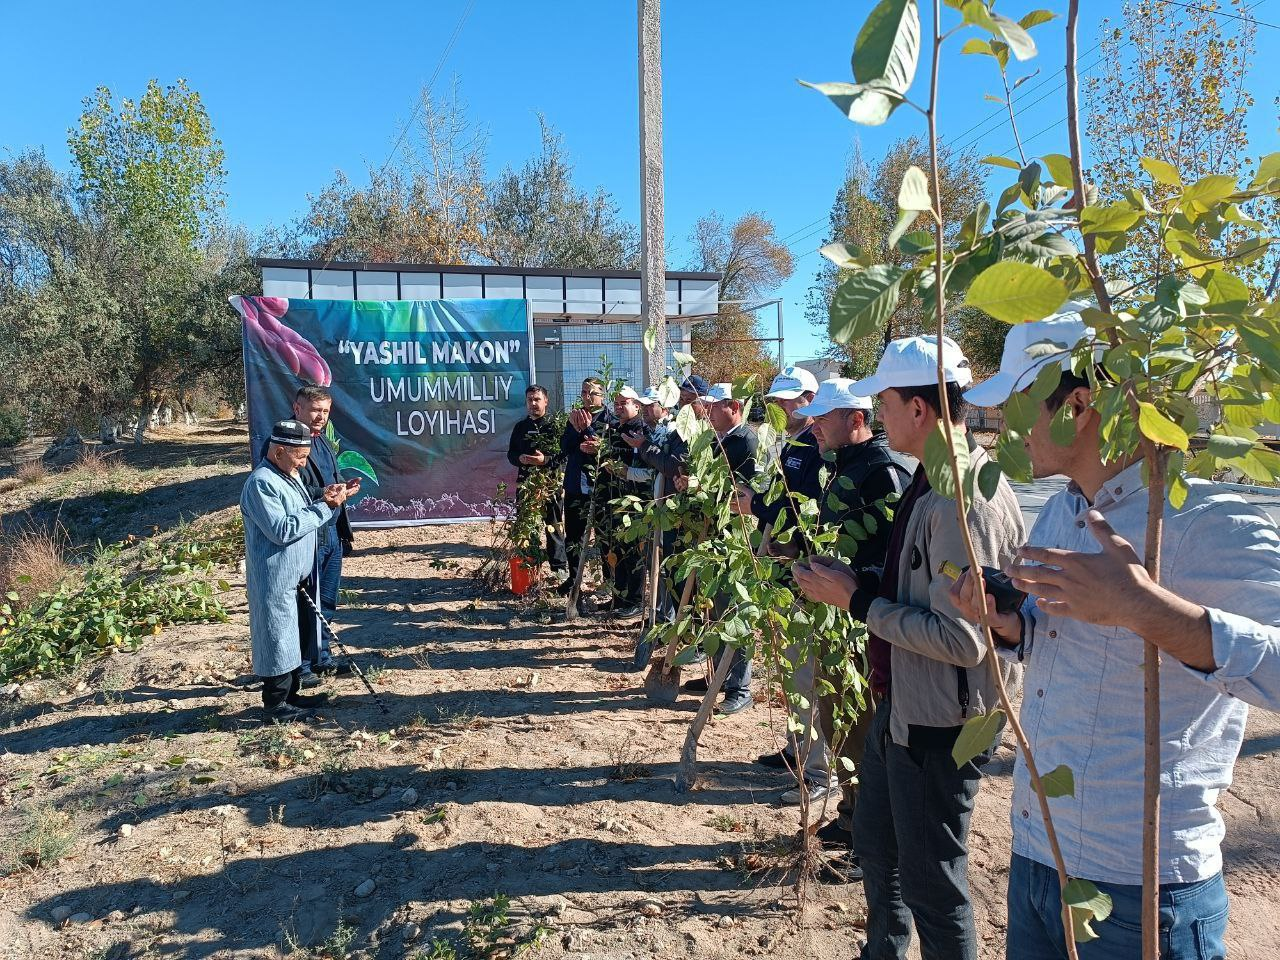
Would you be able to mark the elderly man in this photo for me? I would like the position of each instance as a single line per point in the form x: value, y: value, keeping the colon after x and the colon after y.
x: 1090, y: 605
x: 280, y: 525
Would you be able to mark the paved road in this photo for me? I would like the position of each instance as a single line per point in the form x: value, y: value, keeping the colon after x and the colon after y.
x: 1032, y: 497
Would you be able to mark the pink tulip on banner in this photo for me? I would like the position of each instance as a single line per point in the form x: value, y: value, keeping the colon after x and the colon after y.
x: 261, y: 321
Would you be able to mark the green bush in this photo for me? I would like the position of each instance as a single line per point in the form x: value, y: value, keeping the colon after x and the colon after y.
x: 13, y: 426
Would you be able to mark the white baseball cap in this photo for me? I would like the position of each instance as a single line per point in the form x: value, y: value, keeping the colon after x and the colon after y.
x: 718, y: 392
x: 650, y: 396
x: 834, y: 394
x: 792, y: 382
x: 1019, y: 364
x: 913, y: 362
x: 627, y: 392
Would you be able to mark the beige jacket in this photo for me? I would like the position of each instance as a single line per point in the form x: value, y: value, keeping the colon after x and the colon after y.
x: 939, y: 658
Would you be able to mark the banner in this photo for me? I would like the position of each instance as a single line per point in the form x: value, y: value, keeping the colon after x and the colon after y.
x: 425, y: 393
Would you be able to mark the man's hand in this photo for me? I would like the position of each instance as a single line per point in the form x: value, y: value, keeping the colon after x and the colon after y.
x: 590, y: 446
x: 581, y: 419
x: 335, y: 495
x: 968, y: 596
x: 535, y: 459
x: 1098, y: 588
x: 353, y: 486
x: 635, y: 442
x: 681, y: 482
x: 825, y: 580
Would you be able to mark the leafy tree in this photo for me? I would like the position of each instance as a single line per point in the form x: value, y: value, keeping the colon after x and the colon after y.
x: 752, y: 264
x: 537, y: 217
x: 1171, y: 88
x: 863, y: 213
x: 152, y: 169
x: 426, y: 207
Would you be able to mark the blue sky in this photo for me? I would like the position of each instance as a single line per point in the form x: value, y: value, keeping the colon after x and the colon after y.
x: 298, y: 90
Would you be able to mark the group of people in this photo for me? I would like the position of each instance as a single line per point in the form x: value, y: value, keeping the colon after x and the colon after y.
x: 1074, y: 645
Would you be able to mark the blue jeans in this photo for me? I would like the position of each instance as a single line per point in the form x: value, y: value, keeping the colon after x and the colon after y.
x: 1193, y: 918
x: 910, y: 832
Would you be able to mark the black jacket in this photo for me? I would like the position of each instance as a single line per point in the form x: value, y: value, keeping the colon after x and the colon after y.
x: 667, y: 455
x: 321, y: 470
x: 739, y: 446
x: 524, y: 436
x: 617, y: 448
x: 870, y: 472
x: 801, y: 462
x: 575, y: 461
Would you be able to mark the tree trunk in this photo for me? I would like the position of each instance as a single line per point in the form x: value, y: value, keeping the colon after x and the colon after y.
x: 687, y: 772
x: 653, y: 269
x: 149, y: 407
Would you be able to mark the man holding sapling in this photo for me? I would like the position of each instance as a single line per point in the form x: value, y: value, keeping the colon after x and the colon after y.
x: 929, y: 670
x: 1080, y: 632
x: 524, y: 453
x: 623, y: 475
x: 579, y: 448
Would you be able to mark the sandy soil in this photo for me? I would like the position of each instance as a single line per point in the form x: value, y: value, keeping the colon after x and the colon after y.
x: 519, y: 757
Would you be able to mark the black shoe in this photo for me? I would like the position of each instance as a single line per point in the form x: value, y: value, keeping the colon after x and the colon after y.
x: 565, y: 586
x: 732, y: 704
x: 841, y: 869
x: 833, y: 837
x: 777, y: 761
x: 284, y: 713
x: 694, y: 686
x: 308, y: 703
x: 625, y: 611
x: 309, y: 680
x: 334, y: 668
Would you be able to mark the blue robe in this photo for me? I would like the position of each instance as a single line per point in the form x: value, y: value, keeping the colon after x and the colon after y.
x: 280, y: 525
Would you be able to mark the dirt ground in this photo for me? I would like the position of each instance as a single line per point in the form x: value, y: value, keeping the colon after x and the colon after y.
x: 519, y: 757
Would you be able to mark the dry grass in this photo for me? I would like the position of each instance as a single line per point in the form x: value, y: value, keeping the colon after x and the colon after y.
x: 93, y: 462
x: 32, y: 562
x: 31, y: 472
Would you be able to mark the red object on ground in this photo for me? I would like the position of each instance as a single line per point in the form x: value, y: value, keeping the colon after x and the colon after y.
x: 524, y: 574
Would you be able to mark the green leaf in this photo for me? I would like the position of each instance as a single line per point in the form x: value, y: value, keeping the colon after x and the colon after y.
x: 1161, y: 172
x: 1225, y: 290
x: 863, y: 301
x: 650, y: 338
x: 976, y: 736
x: 1059, y: 782
x: 1020, y: 42
x: 937, y: 461
x: 864, y: 103
x: 1045, y: 383
x: 1017, y: 292
x: 1011, y: 454
x: 1035, y: 18
x: 1268, y: 169
x: 1062, y: 428
x: 989, y: 479
x: 1108, y: 218
x: 1059, y: 168
x: 682, y: 359
x: 1227, y: 447
x: 905, y: 219
x: 1002, y: 162
x: 916, y: 242
x: 888, y: 45
x: 351, y: 460
x: 1178, y: 490
x: 1021, y: 412
x: 1087, y: 904
x: 914, y: 192
x: 843, y: 255
x: 1156, y: 426
x: 1208, y: 191
x: 776, y: 416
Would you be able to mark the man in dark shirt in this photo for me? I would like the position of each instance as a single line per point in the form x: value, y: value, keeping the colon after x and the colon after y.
x: 738, y: 442
x: 623, y: 560
x: 579, y: 449
x: 312, y: 406
x: 523, y: 453
x: 871, y: 473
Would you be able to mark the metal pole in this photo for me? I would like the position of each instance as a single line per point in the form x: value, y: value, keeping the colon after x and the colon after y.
x: 782, y: 354
x: 653, y: 268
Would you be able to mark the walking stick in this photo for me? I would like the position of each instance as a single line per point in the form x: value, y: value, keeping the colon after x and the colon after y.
x: 333, y: 637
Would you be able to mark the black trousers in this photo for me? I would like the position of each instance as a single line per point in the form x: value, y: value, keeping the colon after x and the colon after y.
x: 624, y: 565
x: 576, y: 508
x: 554, y: 518
x: 276, y: 690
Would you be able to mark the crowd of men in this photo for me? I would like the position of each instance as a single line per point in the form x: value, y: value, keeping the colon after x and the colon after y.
x: 1075, y: 645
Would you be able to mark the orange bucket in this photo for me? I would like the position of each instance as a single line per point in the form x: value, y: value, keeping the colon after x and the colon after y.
x: 523, y: 575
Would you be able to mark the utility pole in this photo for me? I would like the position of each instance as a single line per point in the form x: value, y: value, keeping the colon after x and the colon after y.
x: 653, y: 268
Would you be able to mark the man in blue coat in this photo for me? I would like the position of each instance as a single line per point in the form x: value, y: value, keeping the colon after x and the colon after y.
x: 280, y: 525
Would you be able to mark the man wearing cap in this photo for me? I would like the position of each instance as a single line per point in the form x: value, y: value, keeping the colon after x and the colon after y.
x: 623, y: 560
x: 928, y: 671
x: 280, y: 524
x: 670, y: 455
x: 579, y: 448
x: 865, y: 476
x: 1080, y: 633
x: 524, y: 454
x: 738, y: 443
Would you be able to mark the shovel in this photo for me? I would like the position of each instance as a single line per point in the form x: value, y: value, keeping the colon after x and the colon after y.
x: 661, y: 683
